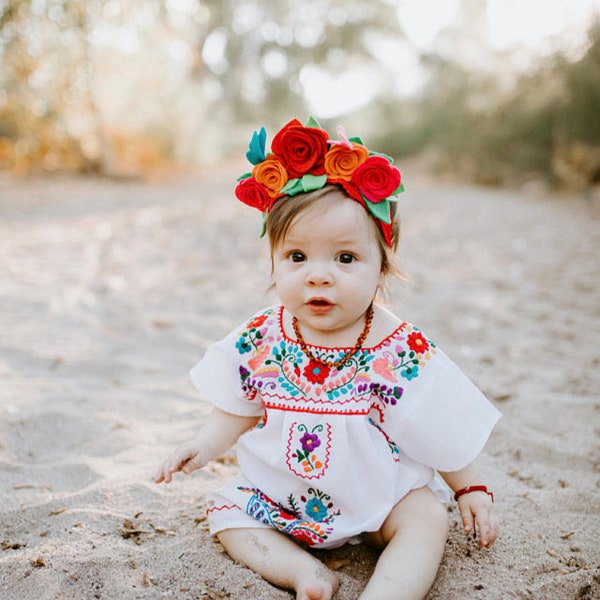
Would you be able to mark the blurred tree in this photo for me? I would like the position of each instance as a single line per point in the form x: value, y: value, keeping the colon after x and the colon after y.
x: 80, y: 77
x: 498, y: 127
x: 117, y: 86
x: 259, y: 50
x: 46, y: 70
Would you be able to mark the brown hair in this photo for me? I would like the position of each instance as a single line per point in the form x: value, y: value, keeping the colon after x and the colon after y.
x: 286, y: 209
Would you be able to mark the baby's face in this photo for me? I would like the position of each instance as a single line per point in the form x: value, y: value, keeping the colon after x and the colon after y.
x: 328, y: 267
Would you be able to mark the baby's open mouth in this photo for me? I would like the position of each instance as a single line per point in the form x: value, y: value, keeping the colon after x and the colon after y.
x: 319, y: 302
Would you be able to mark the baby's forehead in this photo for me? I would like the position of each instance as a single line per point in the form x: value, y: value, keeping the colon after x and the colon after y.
x: 339, y: 221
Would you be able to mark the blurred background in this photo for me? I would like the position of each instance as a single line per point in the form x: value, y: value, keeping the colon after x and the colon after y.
x: 498, y: 92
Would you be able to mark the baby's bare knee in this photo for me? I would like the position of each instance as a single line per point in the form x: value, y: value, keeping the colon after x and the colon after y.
x: 421, y: 510
x: 439, y: 518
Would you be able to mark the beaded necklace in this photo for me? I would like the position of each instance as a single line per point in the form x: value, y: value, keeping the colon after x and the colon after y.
x: 348, y: 355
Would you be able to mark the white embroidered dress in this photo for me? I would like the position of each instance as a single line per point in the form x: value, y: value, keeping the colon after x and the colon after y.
x: 336, y: 448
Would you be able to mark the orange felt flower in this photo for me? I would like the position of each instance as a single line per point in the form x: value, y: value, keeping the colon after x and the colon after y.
x: 271, y: 173
x: 341, y: 161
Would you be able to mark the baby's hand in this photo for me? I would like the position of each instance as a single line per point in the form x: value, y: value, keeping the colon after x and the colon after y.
x: 477, y: 513
x: 186, y: 459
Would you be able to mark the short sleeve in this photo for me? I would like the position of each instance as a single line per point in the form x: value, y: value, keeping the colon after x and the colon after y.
x: 217, y: 378
x: 442, y: 420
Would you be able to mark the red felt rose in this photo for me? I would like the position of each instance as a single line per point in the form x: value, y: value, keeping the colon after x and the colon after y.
x: 376, y: 178
x: 252, y: 193
x: 301, y: 149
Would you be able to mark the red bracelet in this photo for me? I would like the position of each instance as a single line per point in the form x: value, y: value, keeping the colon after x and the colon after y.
x: 472, y: 488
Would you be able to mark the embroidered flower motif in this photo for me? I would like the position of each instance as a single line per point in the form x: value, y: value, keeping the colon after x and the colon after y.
x: 389, y: 395
x: 385, y: 368
x: 315, y: 509
x: 311, y: 451
x: 304, y: 537
x: 259, y: 356
x: 251, y: 338
x: 417, y: 342
x: 310, y: 441
x: 410, y: 372
x: 243, y: 345
x: 257, y: 321
x: 316, y: 372
x: 312, y: 528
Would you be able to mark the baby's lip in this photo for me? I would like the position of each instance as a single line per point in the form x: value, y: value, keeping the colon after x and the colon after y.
x: 319, y: 306
x: 319, y: 302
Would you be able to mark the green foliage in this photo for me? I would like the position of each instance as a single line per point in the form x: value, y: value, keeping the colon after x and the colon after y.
x: 577, y: 117
x: 545, y: 126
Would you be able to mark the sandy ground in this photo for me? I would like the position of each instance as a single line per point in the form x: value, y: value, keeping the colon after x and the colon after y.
x: 111, y: 290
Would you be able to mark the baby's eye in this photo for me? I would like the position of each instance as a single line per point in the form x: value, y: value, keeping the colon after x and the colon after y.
x: 346, y: 258
x: 297, y: 257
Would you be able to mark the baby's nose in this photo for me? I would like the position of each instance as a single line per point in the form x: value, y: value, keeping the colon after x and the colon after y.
x: 319, y: 275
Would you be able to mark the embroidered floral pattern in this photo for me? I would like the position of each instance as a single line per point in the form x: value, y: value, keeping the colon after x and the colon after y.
x: 417, y: 343
x: 310, y: 525
x: 316, y: 372
x: 388, y: 394
x: 251, y: 338
x: 308, y: 450
x: 279, y: 364
x: 302, y: 402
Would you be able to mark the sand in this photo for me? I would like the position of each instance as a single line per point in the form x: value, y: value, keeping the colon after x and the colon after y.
x: 110, y: 290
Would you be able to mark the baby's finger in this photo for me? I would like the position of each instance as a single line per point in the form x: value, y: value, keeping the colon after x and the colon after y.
x: 483, y: 524
x: 160, y: 475
x: 165, y: 473
x: 494, y: 527
x: 191, y: 464
x: 467, y: 519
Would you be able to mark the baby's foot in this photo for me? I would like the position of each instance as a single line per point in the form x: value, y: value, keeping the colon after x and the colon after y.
x: 322, y: 586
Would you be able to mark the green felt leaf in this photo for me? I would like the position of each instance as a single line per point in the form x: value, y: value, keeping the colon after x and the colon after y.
x: 389, y: 158
x: 380, y: 210
x: 310, y: 183
x: 244, y: 176
x: 356, y: 140
x: 292, y: 187
x: 264, y: 223
x: 312, y: 122
x: 399, y: 189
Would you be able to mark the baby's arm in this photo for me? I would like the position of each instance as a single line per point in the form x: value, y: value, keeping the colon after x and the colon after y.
x: 476, y: 508
x: 216, y: 436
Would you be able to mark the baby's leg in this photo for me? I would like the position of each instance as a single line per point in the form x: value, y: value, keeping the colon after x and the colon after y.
x: 414, y: 535
x: 281, y: 561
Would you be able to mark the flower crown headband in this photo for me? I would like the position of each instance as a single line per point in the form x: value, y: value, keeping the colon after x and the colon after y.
x: 303, y: 159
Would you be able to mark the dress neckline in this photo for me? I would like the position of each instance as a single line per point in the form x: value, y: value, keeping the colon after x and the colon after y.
x: 385, y: 341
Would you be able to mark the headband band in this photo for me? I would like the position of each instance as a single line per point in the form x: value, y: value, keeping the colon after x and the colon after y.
x: 303, y: 159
